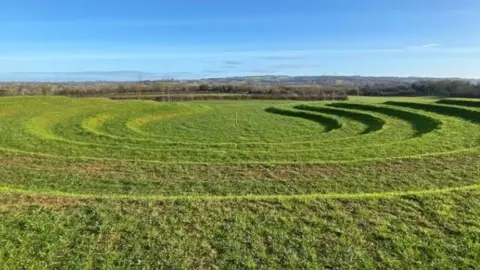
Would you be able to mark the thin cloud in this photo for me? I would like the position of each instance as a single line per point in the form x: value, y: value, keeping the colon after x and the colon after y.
x: 229, y: 67
x: 293, y: 66
x: 212, y: 71
x: 280, y: 68
x: 232, y: 63
x: 430, y: 45
x: 281, y: 57
x: 110, y: 73
x: 268, y: 70
x: 89, y: 73
x: 268, y: 55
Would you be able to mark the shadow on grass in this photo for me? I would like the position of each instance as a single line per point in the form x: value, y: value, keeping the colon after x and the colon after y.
x: 465, y: 114
x: 373, y: 123
x: 329, y: 123
x: 421, y: 123
x: 466, y: 103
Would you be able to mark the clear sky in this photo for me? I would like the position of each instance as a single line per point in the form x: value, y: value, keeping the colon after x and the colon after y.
x: 117, y: 39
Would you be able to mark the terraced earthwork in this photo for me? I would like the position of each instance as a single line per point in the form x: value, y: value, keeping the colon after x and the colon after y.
x: 97, y: 148
x: 370, y: 183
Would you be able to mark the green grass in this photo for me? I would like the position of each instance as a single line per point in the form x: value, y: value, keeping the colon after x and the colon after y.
x: 460, y: 102
x: 366, y: 183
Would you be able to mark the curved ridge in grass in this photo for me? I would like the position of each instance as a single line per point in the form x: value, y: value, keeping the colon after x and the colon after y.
x: 372, y: 123
x: 421, y: 123
x: 460, y: 102
x: 392, y: 184
x: 463, y: 113
x: 314, y: 152
x: 394, y: 142
x: 313, y: 196
x: 330, y: 124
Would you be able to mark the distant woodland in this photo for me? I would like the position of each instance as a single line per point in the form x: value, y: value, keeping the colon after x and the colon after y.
x: 250, y: 88
x: 444, y: 88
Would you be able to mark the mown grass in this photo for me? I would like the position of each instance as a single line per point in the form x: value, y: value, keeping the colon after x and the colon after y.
x: 366, y: 183
x: 258, y: 138
x: 436, y: 231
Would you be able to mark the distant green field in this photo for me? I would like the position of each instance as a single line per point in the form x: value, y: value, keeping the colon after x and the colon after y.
x: 366, y: 183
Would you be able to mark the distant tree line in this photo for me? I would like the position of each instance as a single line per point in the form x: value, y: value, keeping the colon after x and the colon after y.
x: 164, y: 90
x: 167, y: 90
x: 445, y: 88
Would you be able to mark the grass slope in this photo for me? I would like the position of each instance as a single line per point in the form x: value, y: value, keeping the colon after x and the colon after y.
x: 366, y: 183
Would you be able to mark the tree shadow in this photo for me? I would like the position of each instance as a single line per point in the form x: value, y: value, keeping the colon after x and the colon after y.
x: 373, y: 123
x: 422, y: 124
x: 329, y: 123
x: 465, y: 114
x: 457, y: 102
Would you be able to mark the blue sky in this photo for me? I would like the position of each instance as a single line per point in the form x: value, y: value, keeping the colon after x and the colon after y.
x: 106, y: 39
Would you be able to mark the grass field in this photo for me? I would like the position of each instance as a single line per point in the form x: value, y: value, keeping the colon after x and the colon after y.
x: 367, y: 183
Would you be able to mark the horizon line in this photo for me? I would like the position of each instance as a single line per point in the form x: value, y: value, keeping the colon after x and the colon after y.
x: 167, y: 77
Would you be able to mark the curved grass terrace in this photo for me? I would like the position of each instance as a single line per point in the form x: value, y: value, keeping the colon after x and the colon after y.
x: 369, y: 182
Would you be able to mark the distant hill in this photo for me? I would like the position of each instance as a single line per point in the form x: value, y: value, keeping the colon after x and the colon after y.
x: 329, y: 80
x: 88, y: 77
